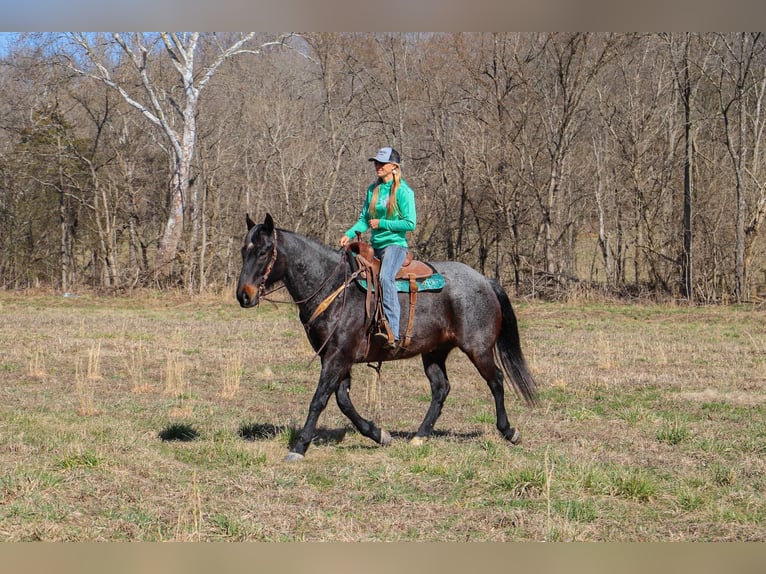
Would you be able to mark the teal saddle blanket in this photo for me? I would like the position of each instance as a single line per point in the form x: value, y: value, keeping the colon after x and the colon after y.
x: 433, y: 282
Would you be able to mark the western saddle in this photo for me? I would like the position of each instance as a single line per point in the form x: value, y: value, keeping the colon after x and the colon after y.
x: 411, y: 270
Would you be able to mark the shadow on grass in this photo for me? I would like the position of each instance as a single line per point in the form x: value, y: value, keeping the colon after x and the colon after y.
x: 324, y: 436
x: 449, y: 435
x: 182, y: 432
x: 268, y: 431
x: 179, y: 432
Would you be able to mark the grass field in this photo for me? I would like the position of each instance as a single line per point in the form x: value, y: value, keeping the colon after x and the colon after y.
x: 651, y: 428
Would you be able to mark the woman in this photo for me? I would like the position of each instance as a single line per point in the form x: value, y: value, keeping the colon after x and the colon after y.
x: 389, y: 211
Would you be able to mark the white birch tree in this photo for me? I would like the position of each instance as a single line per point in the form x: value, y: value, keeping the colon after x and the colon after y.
x: 124, y: 62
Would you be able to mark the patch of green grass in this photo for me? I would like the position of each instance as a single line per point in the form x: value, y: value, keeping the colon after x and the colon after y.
x: 230, y: 527
x: 632, y: 484
x: 409, y: 453
x: 219, y: 455
x: 722, y: 474
x: 80, y: 460
x: 555, y: 395
x: 583, y: 511
x: 483, y: 418
x: 635, y: 485
x: 584, y: 414
x: 320, y: 479
x: 528, y: 482
x: 634, y: 414
x: 691, y: 499
x: 490, y: 447
x: 673, y: 432
x: 22, y: 480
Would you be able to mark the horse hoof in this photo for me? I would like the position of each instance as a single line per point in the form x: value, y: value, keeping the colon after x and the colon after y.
x: 385, y: 438
x: 514, y: 436
x: 418, y: 441
x: 293, y: 457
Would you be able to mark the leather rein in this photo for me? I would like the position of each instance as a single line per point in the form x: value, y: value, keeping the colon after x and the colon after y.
x: 322, y: 307
x: 269, y: 268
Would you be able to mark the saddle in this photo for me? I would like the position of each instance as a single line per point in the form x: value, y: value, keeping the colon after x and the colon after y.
x: 411, y: 271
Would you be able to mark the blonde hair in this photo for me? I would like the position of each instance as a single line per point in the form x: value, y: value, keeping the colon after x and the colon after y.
x: 391, y: 197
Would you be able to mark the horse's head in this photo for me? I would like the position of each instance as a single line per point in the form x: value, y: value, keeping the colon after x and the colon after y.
x: 259, y: 258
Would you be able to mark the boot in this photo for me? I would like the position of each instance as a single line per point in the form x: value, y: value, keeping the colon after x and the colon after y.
x: 385, y: 335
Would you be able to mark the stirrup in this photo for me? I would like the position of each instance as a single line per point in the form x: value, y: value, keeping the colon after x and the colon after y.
x: 384, y: 333
x: 381, y: 336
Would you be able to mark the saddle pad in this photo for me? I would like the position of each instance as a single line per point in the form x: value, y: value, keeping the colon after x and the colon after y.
x: 433, y: 282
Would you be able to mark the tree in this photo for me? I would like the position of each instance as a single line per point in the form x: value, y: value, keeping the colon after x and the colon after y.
x: 101, y: 57
x: 687, y: 79
x: 573, y: 62
x: 741, y: 91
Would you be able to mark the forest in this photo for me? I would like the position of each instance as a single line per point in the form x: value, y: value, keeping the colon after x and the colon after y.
x: 563, y: 164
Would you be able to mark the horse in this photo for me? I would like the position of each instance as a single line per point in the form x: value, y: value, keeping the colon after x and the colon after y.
x: 471, y: 312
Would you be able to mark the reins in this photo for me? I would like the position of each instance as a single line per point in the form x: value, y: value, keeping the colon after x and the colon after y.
x: 326, y: 302
x: 270, y: 267
x: 322, y: 307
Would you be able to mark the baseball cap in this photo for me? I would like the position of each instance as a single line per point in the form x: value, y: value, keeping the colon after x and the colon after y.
x: 387, y: 155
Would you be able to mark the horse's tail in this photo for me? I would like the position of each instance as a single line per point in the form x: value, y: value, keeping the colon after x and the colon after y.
x: 508, y: 349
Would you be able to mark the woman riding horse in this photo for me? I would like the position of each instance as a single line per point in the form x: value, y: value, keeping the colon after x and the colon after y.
x: 389, y: 211
x: 471, y: 312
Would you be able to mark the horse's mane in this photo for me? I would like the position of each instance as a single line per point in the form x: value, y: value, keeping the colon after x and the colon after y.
x: 320, y: 246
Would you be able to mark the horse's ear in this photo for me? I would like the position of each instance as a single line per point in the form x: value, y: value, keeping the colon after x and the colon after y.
x: 250, y: 222
x: 268, y: 224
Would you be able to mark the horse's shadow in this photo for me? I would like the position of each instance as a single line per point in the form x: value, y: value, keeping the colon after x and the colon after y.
x: 268, y: 431
x: 335, y: 436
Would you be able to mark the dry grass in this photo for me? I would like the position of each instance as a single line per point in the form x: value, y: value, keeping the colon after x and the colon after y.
x: 232, y: 369
x: 651, y: 427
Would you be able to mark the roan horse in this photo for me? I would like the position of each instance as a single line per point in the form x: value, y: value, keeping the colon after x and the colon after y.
x: 471, y: 312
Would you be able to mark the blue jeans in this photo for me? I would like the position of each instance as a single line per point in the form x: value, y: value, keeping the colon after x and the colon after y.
x: 391, y: 260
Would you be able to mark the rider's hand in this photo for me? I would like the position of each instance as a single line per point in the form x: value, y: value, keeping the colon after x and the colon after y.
x: 344, y: 240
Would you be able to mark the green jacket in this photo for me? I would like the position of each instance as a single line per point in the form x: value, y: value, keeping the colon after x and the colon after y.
x: 391, y: 231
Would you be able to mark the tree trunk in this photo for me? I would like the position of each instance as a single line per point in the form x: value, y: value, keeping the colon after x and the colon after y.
x: 686, y: 266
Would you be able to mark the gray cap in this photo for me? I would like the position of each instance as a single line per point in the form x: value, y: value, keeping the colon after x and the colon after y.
x: 387, y: 155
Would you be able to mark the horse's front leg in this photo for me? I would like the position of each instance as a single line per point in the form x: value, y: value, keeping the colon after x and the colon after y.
x: 364, y: 426
x: 328, y: 384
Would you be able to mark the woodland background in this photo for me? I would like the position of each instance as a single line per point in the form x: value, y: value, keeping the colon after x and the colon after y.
x: 561, y: 163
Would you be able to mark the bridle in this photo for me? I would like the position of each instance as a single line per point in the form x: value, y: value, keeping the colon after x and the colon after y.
x: 348, y: 280
x: 267, y: 272
x: 259, y: 294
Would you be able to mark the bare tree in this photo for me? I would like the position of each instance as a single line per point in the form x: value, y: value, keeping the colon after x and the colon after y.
x: 741, y: 89
x: 341, y: 78
x: 687, y: 76
x: 159, y: 103
x: 576, y: 60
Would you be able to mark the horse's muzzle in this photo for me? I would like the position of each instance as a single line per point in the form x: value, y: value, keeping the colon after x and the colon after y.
x: 247, y: 295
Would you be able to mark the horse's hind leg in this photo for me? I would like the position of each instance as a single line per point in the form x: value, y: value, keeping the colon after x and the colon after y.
x: 434, y: 365
x: 365, y: 427
x: 494, y: 377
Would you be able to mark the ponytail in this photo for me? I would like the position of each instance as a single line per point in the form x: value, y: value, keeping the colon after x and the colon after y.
x: 392, y: 195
